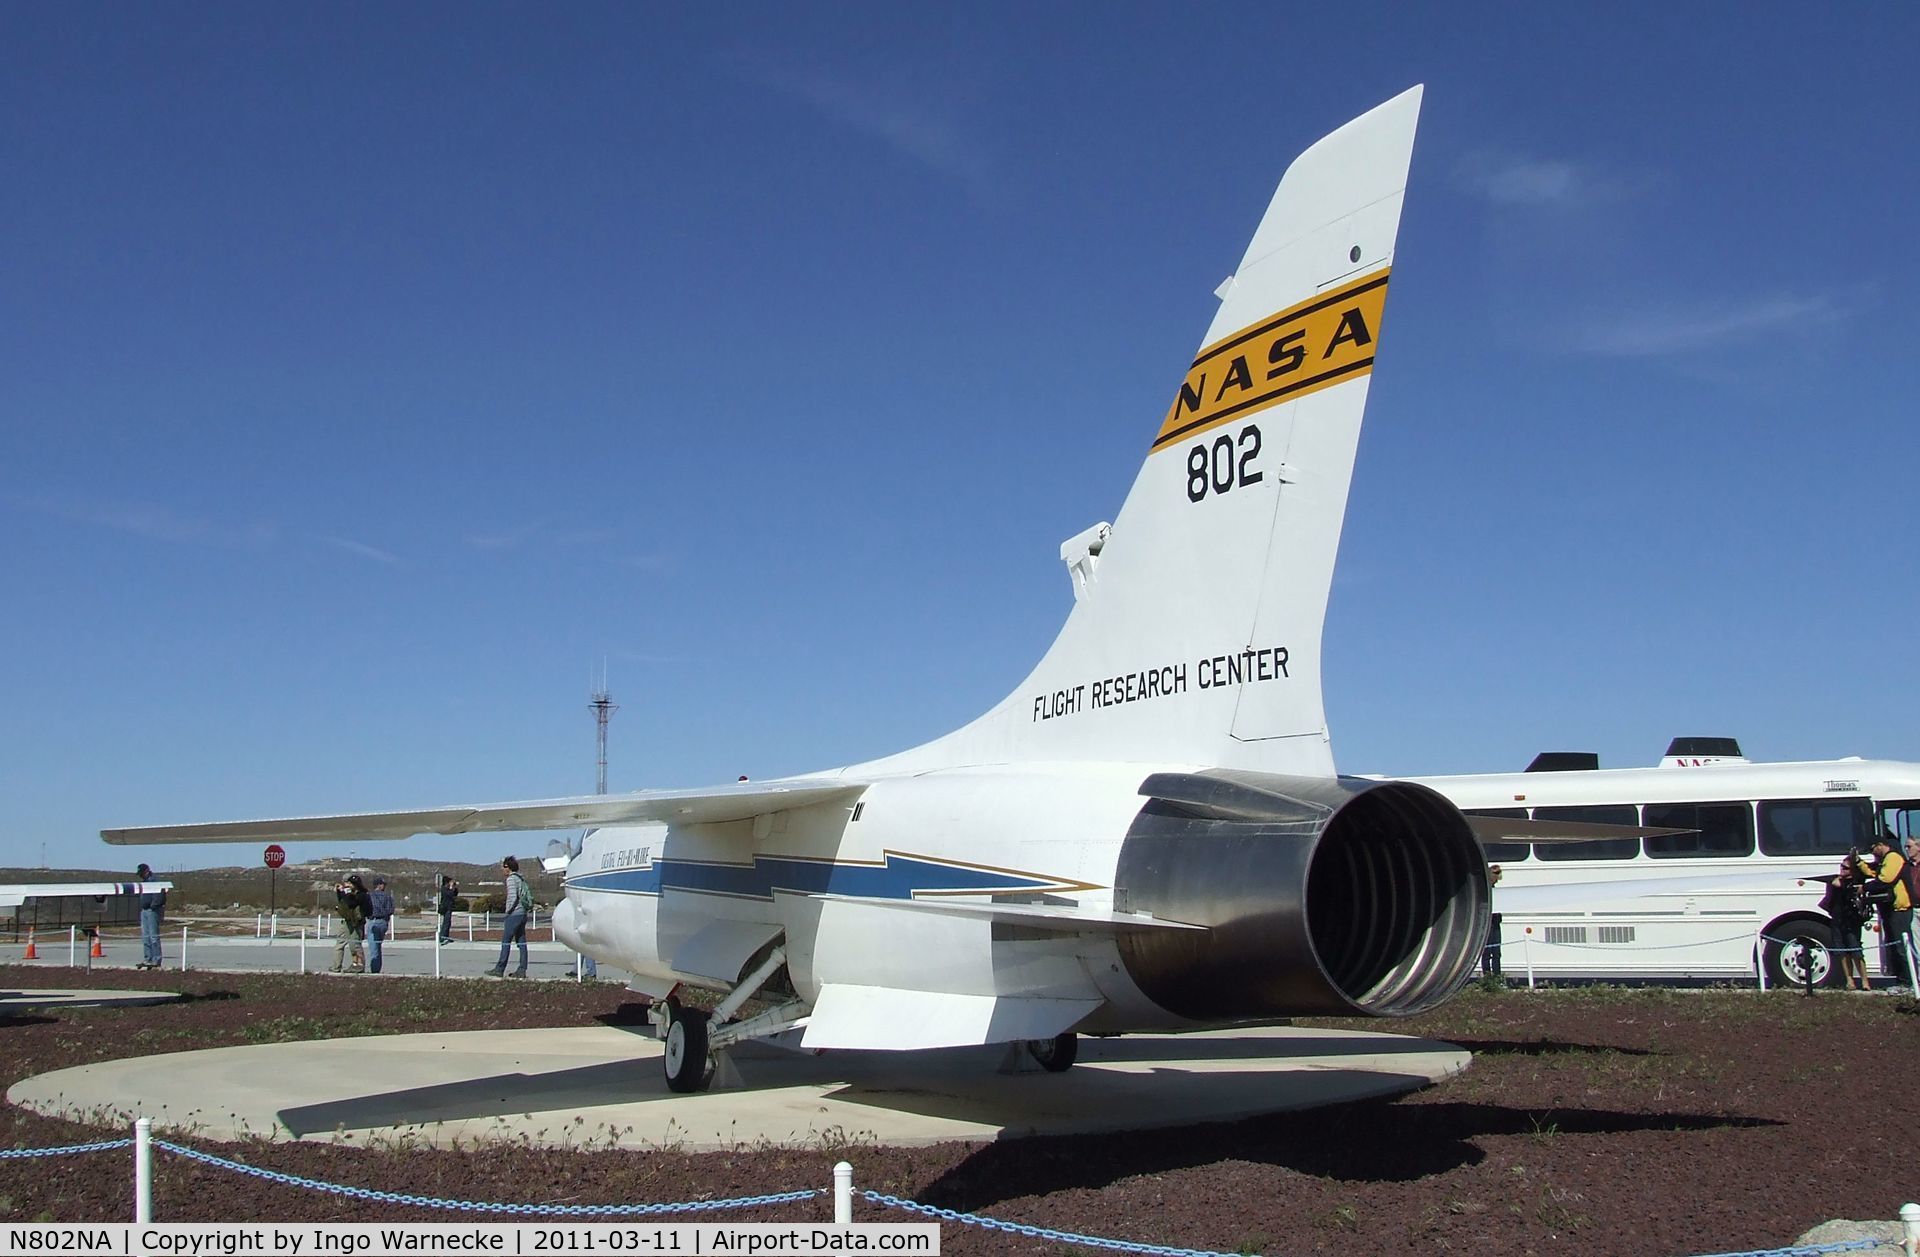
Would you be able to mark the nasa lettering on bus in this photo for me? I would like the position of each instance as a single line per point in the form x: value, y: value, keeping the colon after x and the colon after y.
x: 1249, y: 665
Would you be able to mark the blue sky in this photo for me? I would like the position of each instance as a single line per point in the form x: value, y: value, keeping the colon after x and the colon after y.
x: 370, y: 372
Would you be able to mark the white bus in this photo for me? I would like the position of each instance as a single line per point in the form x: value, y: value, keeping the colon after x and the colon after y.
x: 1780, y: 823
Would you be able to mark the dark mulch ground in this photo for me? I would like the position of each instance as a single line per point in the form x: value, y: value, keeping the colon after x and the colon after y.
x: 1599, y: 1121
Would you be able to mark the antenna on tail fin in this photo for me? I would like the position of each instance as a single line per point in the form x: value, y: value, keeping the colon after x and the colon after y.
x: 1195, y: 638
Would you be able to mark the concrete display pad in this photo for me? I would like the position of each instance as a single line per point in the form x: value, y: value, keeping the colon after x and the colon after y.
x: 533, y: 1084
x: 15, y: 1002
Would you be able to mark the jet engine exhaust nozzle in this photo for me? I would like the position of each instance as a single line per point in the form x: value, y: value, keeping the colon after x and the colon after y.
x: 1321, y: 896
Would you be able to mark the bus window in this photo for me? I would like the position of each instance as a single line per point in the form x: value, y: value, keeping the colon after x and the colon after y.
x: 1901, y: 819
x: 1502, y: 852
x: 1720, y: 829
x: 1815, y: 826
x: 1599, y: 848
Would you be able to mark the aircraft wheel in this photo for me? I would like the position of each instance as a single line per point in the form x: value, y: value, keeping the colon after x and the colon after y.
x: 688, y: 1064
x: 1055, y: 1055
x: 1804, y: 943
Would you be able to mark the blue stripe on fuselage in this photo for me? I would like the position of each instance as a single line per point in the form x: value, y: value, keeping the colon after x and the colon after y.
x: 898, y: 878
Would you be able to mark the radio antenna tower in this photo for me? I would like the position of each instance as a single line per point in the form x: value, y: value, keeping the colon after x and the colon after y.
x: 602, y: 708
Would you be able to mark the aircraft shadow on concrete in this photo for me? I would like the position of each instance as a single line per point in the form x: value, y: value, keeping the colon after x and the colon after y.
x: 1368, y: 1141
x: 958, y: 1084
x: 500, y: 1095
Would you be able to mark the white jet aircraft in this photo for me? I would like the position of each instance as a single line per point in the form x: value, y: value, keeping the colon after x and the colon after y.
x: 1148, y: 833
x: 15, y: 894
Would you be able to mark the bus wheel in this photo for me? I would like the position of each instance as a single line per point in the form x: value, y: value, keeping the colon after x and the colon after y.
x: 1799, y: 950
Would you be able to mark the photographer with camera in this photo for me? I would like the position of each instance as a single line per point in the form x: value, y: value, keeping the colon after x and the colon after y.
x: 1845, y: 901
x: 1887, y: 892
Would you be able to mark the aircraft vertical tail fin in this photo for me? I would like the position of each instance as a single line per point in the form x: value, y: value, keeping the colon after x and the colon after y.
x: 1196, y: 629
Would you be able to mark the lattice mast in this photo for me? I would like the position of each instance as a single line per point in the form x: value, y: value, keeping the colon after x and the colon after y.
x: 602, y: 706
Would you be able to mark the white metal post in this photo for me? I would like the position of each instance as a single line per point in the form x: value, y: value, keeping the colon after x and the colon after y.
x: 183, y: 949
x: 259, y: 923
x: 1526, y: 951
x: 843, y: 1194
x: 73, y: 937
x: 1760, y: 956
x: 578, y: 968
x: 273, y: 927
x: 303, y: 949
x: 143, y: 1169
x: 469, y: 927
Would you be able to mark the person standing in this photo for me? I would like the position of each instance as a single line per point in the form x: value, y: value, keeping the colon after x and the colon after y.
x: 1887, y: 891
x: 449, y: 895
x: 513, y: 926
x: 379, y: 922
x: 153, y: 909
x: 350, y: 901
x: 1490, y: 954
x: 1845, y: 902
x: 1912, y: 874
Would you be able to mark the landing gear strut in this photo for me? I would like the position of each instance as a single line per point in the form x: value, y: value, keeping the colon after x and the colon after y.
x: 696, y: 1042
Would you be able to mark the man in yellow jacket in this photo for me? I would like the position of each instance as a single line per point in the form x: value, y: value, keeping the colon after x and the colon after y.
x: 1886, y: 866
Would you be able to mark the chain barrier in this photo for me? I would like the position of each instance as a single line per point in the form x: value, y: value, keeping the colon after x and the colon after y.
x: 482, y: 1206
x: 746, y: 1202
x: 105, y: 1145
x: 1035, y: 1232
x: 1617, y: 948
x: 1810, y: 1250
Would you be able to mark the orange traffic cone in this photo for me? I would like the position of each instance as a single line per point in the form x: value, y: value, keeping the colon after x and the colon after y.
x: 32, y: 954
x: 98, y: 951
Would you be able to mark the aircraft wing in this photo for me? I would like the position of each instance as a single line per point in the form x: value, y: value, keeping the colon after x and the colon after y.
x: 15, y: 895
x: 742, y: 801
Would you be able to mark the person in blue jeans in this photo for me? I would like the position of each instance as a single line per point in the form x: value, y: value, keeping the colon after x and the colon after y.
x: 379, y: 921
x: 513, y: 926
x: 153, y: 907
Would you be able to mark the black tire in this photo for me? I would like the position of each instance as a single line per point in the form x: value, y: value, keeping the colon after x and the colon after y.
x: 1789, y: 943
x: 1055, y: 1055
x: 689, y: 1066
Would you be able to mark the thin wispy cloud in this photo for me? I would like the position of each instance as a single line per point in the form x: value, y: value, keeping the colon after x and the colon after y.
x: 147, y: 520
x: 364, y: 550
x: 1679, y: 330
x: 539, y: 534
x: 913, y: 128
x: 1518, y: 182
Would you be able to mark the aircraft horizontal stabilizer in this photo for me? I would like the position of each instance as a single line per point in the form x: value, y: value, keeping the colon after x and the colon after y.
x: 1516, y: 829
x: 714, y: 805
x: 1040, y: 916
x: 891, y: 1019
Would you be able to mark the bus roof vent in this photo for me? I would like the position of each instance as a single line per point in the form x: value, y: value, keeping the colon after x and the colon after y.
x: 1700, y: 752
x: 1564, y: 762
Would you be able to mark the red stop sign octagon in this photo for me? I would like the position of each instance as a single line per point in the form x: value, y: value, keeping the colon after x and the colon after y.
x: 276, y: 856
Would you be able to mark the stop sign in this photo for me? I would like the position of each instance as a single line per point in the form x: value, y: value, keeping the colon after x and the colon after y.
x: 276, y: 856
